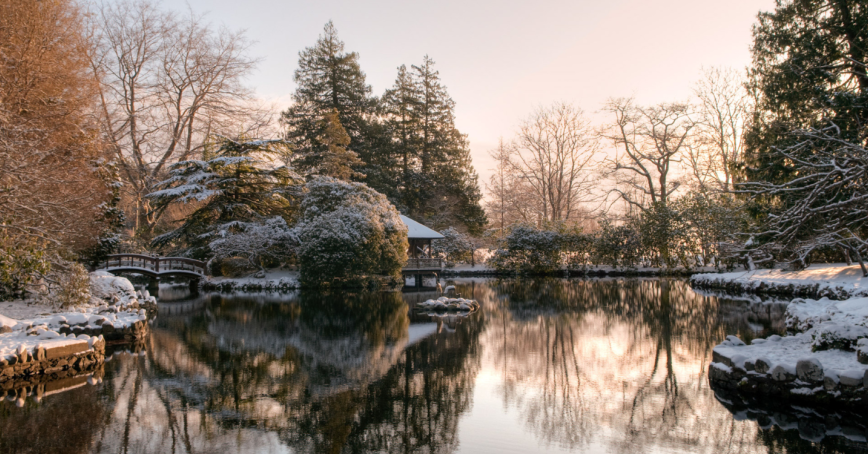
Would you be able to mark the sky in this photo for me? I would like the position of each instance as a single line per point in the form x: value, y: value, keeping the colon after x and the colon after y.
x: 500, y: 60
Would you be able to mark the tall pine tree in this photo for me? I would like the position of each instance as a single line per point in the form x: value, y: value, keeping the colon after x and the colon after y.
x: 329, y: 80
x: 439, y: 184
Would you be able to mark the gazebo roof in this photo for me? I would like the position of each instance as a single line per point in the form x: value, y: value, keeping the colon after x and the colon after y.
x: 417, y: 231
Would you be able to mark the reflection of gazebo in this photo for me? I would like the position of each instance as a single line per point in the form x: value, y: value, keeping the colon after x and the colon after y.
x: 419, y: 260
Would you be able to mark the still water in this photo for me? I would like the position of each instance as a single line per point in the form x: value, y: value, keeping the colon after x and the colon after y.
x: 547, y: 365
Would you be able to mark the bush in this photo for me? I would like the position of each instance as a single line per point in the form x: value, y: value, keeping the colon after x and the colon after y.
x: 74, y: 286
x: 348, y: 231
x: 234, y: 266
x: 22, y: 260
x: 455, y: 247
x: 528, y: 249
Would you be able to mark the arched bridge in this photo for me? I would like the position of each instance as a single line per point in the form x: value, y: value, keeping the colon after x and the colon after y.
x: 154, y: 266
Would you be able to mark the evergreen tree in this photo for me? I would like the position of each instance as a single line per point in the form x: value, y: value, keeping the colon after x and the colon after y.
x: 809, y: 77
x: 234, y: 185
x: 439, y: 184
x: 809, y: 67
x: 330, y: 80
x: 402, y: 106
x: 332, y: 158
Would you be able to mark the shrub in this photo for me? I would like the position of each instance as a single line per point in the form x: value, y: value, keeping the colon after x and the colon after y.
x: 21, y: 261
x: 74, y: 286
x: 348, y: 231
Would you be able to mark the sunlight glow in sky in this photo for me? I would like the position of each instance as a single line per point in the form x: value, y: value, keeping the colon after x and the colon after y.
x: 500, y: 60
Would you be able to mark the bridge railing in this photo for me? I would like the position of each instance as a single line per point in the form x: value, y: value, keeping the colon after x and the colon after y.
x: 423, y: 264
x: 154, y: 264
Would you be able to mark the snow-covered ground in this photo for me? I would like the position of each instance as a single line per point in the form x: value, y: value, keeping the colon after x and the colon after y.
x: 27, y: 326
x: 274, y: 279
x: 826, y: 354
x: 834, y: 278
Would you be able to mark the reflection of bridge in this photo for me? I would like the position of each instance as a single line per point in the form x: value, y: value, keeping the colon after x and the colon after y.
x: 154, y: 266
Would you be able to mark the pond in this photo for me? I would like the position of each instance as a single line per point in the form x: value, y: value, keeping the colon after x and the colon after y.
x: 547, y: 365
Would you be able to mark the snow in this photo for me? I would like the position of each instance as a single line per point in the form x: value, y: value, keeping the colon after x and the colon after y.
x: 787, y: 352
x: 274, y: 278
x: 826, y: 276
x: 416, y: 230
x: 33, y: 325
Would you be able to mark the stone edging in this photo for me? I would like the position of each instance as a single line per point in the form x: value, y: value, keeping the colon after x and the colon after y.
x: 810, y: 385
x: 50, y: 363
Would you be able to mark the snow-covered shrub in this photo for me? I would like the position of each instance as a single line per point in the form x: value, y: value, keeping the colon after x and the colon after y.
x: 74, y: 286
x: 257, y: 242
x: 454, y: 247
x: 528, y: 249
x: 830, y: 336
x: 348, y: 231
x: 616, y: 245
x: 22, y: 260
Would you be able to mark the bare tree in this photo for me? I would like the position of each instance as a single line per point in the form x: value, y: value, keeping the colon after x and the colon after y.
x: 553, y: 157
x: 648, y: 141
x: 52, y: 162
x: 721, y: 118
x: 167, y: 84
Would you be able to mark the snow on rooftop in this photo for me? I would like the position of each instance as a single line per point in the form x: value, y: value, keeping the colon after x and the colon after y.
x: 416, y: 230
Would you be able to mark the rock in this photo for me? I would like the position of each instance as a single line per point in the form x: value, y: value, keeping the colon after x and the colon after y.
x: 830, y: 383
x: 780, y: 373
x: 735, y: 341
x: 5, y: 329
x: 66, y: 350
x: 762, y: 366
x: 809, y: 370
x: 852, y: 377
x: 259, y: 275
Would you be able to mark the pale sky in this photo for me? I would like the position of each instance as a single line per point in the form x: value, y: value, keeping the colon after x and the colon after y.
x: 502, y: 59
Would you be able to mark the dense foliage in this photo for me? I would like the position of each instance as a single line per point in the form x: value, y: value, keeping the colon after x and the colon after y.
x: 407, y: 145
x: 804, y: 163
x: 234, y: 186
x: 348, y: 233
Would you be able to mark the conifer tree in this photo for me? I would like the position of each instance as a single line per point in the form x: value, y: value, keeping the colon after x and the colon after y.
x: 335, y: 159
x: 449, y: 193
x: 234, y: 185
x: 329, y: 80
x: 402, y: 106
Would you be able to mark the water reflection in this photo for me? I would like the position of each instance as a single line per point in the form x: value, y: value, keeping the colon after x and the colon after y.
x: 573, y: 365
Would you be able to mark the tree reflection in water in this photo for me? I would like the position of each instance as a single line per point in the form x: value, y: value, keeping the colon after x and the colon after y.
x: 619, y: 363
x: 587, y: 365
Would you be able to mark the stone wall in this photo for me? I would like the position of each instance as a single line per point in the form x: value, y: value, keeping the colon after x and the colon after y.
x: 809, y: 384
x: 135, y: 332
x: 48, y: 364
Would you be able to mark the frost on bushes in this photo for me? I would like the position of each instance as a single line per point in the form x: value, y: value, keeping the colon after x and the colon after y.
x: 454, y: 247
x: 73, y: 286
x: 22, y: 261
x: 528, y: 249
x: 348, y: 231
x: 829, y: 336
x: 257, y: 242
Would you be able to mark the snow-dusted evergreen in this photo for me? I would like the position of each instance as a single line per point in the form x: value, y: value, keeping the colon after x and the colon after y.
x: 236, y: 187
x: 348, y: 230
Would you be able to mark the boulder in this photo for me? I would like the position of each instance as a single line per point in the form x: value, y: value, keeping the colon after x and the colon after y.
x: 762, y: 365
x: 809, y: 370
x: 782, y: 374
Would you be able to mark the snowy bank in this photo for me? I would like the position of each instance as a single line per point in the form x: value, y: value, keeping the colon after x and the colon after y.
x: 835, y: 281
x: 823, y: 363
x: 269, y: 280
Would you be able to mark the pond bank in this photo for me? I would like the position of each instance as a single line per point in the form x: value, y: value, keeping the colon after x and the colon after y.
x: 56, y: 344
x: 821, y: 363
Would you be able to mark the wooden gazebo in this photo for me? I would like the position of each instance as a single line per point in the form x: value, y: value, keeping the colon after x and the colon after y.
x: 419, y: 261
